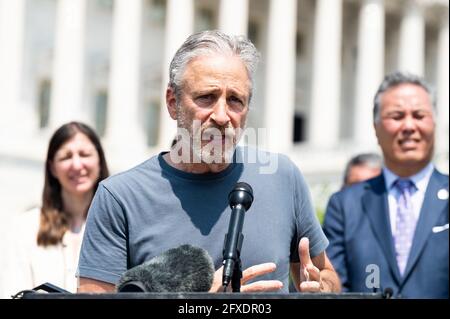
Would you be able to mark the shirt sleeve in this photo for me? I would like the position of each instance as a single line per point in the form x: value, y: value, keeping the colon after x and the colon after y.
x: 103, y: 254
x: 307, y: 222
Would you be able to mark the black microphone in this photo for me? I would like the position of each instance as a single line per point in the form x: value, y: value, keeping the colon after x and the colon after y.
x: 182, y: 269
x: 240, y: 200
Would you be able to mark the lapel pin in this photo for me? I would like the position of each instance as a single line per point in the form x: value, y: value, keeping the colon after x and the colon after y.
x: 442, y: 194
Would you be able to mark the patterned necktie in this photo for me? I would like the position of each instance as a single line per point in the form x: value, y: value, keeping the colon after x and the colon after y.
x: 406, y: 223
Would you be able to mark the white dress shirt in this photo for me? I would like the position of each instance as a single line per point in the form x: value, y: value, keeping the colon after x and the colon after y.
x: 420, y: 180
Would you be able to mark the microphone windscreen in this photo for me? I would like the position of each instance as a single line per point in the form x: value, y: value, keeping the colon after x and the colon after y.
x: 182, y: 269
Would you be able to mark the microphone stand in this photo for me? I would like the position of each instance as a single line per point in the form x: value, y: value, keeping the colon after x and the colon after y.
x: 237, y: 275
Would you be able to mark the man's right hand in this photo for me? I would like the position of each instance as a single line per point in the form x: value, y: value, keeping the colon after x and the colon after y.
x: 247, y: 275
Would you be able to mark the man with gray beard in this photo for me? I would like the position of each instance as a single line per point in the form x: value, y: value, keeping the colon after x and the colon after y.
x: 181, y: 196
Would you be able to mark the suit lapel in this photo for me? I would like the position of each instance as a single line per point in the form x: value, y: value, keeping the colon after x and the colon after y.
x: 375, y: 205
x: 432, y: 208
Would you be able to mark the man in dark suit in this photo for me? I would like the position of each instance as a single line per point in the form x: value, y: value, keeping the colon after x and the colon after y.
x: 392, y: 230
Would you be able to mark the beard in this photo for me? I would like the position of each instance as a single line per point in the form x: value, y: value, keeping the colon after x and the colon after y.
x: 217, y: 144
x: 208, y: 142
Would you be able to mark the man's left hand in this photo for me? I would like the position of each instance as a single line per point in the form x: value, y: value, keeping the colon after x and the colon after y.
x: 310, y: 278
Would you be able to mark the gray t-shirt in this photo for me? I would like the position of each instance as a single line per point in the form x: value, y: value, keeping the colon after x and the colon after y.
x: 138, y: 214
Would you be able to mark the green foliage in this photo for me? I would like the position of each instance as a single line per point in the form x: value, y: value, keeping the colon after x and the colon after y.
x: 320, y: 212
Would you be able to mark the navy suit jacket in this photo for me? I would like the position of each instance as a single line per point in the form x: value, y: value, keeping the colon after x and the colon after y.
x: 358, y: 228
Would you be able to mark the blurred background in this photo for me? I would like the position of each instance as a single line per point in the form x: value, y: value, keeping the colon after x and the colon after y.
x: 105, y: 62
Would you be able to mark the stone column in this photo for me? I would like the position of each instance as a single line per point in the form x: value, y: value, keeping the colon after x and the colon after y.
x: 66, y: 103
x: 179, y: 25
x: 411, y: 55
x: 325, y: 105
x: 280, y: 76
x: 12, y: 23
x: 233, y: 16
x: 124, y: 129
x: 370, y: 68
x: 443, y: 86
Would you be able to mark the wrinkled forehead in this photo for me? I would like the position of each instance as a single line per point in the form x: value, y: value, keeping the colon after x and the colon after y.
x: 406, y: 95
x: 217, y: 70
x: 216, y: 64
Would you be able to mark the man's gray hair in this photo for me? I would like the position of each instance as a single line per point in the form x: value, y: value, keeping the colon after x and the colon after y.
x: 371, y: 160
x: 395, y: 79
x: 209, y: 43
